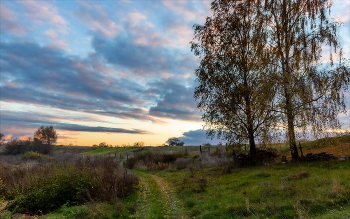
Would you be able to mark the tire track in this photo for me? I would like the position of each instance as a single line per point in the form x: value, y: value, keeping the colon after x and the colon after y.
x: 156, y: 199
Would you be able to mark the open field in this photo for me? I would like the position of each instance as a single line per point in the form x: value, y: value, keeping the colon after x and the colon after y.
x: 179, y: 182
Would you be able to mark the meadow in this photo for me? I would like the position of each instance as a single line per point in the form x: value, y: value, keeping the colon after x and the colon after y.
x: 174, y: 182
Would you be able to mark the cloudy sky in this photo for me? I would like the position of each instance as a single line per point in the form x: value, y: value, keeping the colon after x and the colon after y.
x: 106, y: 71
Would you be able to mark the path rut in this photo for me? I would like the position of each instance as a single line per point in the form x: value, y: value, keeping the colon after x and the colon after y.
x: 156, y: 198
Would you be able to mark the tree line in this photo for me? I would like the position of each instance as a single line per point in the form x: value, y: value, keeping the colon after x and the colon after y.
x: 263, y: 72
x: 44, y: 140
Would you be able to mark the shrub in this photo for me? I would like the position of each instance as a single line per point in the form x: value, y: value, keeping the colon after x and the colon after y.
x: 33, y: 155
x: 157, y: 166
x: 20, y: 147
x: 130, y: 163
x: 154, y: 160
x: 47, y: 187
x: 16, y: 147
x: 182, y: 163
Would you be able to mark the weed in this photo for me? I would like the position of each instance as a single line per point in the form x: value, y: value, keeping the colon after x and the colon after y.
x: 47, y: 187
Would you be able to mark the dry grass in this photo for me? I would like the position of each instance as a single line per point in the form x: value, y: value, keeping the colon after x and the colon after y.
x: 43, y: 188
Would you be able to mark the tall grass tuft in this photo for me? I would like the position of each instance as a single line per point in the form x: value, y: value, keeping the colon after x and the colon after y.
x: 43, y: 188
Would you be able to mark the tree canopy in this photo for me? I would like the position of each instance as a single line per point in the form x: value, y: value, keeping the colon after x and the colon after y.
x: 261, y: 69
x: 173, y: 141
x: 234, y: 88
x: 47, y: 135
x: 309, y: 90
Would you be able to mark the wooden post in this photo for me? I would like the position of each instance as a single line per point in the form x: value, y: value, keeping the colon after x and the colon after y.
x: 200, y: 149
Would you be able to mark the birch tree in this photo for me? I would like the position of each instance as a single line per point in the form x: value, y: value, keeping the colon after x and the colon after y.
x: 310, y: 92
x: 234, y: 89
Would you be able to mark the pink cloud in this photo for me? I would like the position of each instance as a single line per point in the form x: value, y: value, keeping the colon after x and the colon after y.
x: 42, y: 12
x: 7, y: 137
x: 136, y: 17
x: 24, y: 137
x: 10, y: 22
x: 180, y: 8
x: 51, y: 33
x: 93, y: 16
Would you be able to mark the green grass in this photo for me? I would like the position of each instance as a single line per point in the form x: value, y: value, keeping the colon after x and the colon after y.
x: 107, y: 150
x: 32, y: 155
x: 124, y: 150
x: 155, y: 199
x: 271, y: 191
x: 93, y: 210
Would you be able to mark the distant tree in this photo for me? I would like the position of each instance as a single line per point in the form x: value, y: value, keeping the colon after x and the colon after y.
x: 47, y: 135
x: 103, y: 144
x: 173, y: 141
x: 139, y: 144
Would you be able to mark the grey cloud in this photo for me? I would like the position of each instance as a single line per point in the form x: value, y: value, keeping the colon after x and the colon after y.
x: 196, y: 138
x: 46, y: 76
x: 176, y: 101
x: 75, y: 127
x: 155, y: 57
x: 30, y: 121
x: 98, y: 22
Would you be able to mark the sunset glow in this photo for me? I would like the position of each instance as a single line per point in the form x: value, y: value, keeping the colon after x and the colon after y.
x: 108, y: 71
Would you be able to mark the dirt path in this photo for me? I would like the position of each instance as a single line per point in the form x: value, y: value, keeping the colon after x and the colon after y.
x: 156, y: 198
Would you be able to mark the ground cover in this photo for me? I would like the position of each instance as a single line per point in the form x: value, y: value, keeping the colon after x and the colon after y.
x: 275, y: 191
x: 207, y: 186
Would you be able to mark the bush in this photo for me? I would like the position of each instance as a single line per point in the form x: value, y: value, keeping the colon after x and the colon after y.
x: 130, y: 163
x: 182, y: 163
x: 15, y: 147
x: 33, y: 155
x: 48, y: 187
x: 154, y: 160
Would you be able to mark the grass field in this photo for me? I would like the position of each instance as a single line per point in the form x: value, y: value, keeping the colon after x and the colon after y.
x: 206, y: 186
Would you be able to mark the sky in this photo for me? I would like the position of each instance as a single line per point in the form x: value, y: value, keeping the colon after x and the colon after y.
x: 118, y: 72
